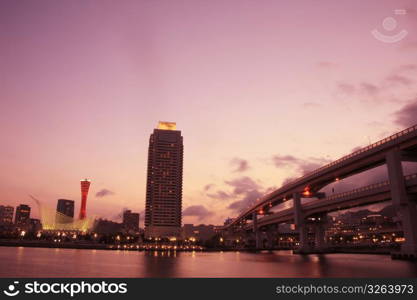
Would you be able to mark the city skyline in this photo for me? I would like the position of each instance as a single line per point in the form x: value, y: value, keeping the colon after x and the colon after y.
x: 83, y: 103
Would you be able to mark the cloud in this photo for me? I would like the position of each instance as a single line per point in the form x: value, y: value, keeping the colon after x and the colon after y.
x: 241, y: 165
x: 356, y: 149
x: 407, y: 67
x: 399, y: 79
x: 362, y: 89
x: 345, y: 88
x: 207, y: 187
x: 407, y: 115
x: 247, y: 190
x: 283, y: 160
x: 244, y: 188
x: 288, y: 180
x: 243, y: 185
x: 249, y: 198
x: 302, y: 166
x: 368, y: 89
x: 221, y: 195
x: 104, y: 193
x: 381, y: 90
x: 326, y: 64
x: 197, y: 211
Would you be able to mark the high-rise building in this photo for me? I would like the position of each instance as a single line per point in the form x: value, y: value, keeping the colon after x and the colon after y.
x: 22, y: 214
x: 164, y: 182
x: 6, y: 214
x: 130, y: 220
x: 64, y: 211
x: 85, y: 185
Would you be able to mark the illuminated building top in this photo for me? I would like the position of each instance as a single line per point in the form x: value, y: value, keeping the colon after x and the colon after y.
x: 167, y: 125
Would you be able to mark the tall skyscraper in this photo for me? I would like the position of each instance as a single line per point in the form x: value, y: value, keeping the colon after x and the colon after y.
x: 164, y: 182
x: 6, y: 214
x: 22, y: 214
x: 65, y: 211
x: 85, y: 185
x: 130, y: 220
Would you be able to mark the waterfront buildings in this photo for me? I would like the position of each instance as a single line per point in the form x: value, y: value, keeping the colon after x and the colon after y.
x: 6, y: 214
x: 22, y: 214
x: 199, y: 233
x: 103, y: 226
x: 64, y: 211
x: 164, y: 182
x: 34, y: 225
x: 130, y: 220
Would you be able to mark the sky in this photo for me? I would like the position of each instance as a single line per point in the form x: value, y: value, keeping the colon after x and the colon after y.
x: 262, y: 91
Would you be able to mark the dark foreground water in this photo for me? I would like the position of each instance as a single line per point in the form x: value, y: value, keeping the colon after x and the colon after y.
x: 46, y: 262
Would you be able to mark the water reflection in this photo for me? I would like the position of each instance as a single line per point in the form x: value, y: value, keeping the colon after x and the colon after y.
x: 43, y: 262
x: 158, y: 264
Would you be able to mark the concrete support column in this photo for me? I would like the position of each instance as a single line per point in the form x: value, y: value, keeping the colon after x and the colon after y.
x: 254, y: 221
x: 247, y: 238
x: 319, y: 237
x: 319, y: 232
x: 256, y: 231
x: 300, y: 223
x: 259, y: 239
x: 271, y: 235
x: 406, y: 209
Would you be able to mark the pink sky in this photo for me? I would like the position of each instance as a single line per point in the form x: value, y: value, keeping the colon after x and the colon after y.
x: 83, y: 84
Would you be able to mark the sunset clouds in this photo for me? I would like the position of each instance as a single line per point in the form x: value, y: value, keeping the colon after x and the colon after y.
x: 263, y: 91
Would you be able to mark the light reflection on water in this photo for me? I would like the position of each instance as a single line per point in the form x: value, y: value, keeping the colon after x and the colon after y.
x: 45, y: 262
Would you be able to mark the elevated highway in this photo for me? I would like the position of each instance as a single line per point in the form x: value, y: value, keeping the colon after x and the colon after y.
x: 391, y: 151
x: 370, y: 194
